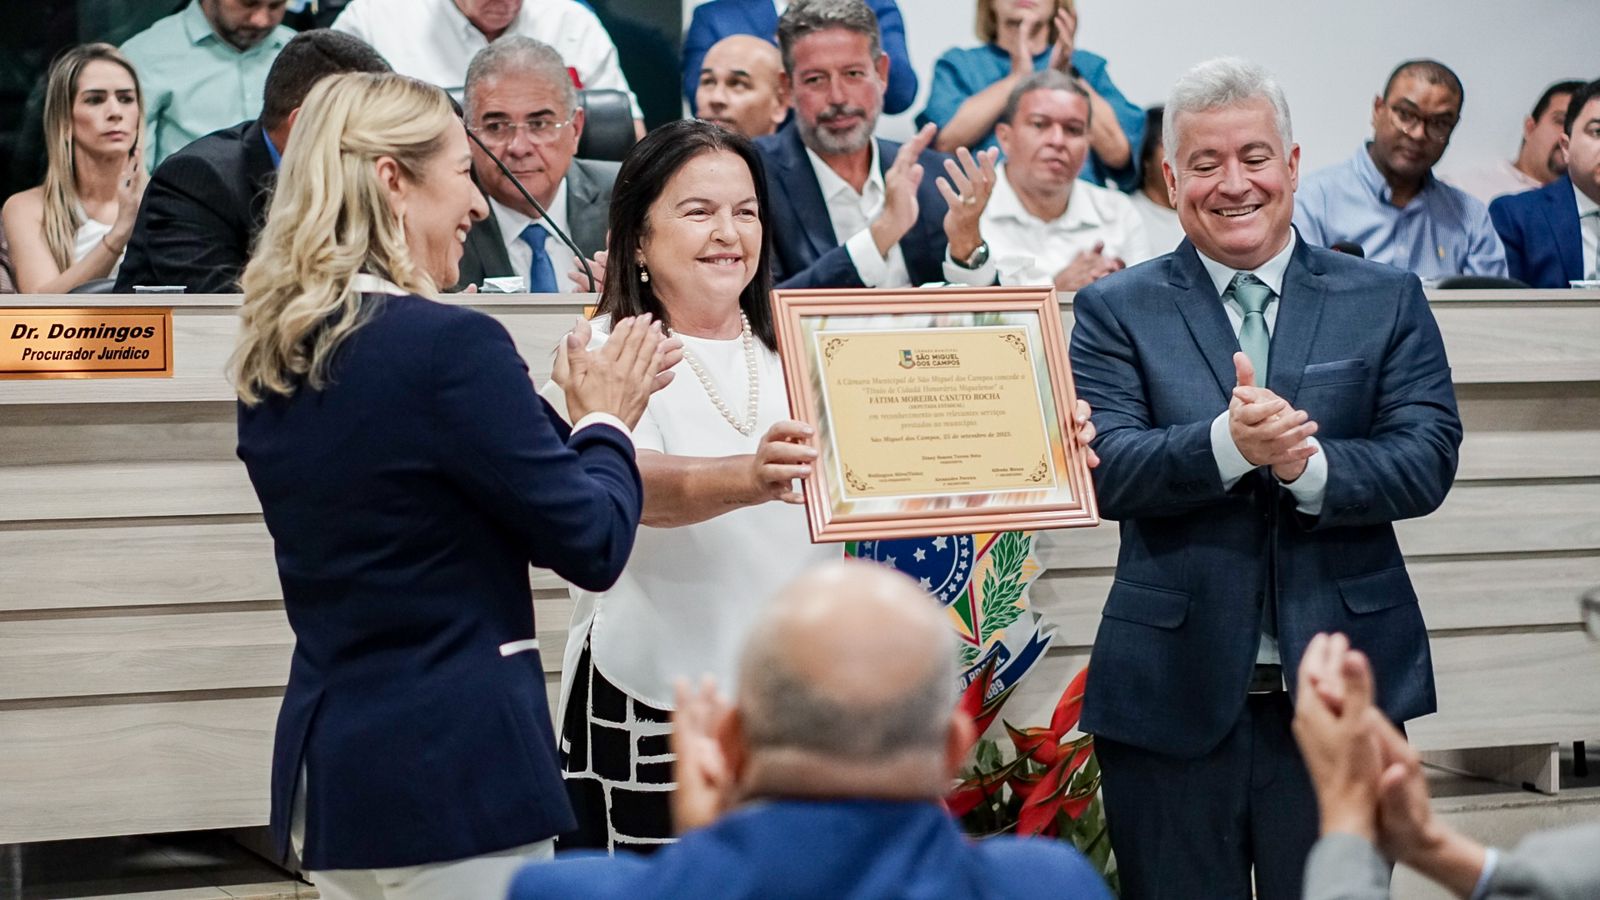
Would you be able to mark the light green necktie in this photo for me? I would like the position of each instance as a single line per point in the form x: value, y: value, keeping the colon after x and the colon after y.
x: 1253, y: 297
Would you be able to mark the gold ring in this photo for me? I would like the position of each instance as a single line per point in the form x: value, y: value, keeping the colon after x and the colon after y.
x: 969, y: 201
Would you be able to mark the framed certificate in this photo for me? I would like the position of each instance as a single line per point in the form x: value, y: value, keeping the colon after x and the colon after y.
x: 937, y: 411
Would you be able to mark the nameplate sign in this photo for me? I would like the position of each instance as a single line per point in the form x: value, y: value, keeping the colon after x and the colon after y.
x: 86, y: 342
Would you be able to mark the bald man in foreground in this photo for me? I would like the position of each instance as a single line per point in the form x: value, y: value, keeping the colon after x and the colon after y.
x: 742, y: 86
x: 825, y: 779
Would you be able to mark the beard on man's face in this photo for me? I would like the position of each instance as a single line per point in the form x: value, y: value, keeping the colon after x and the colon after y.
x: 834, y: 142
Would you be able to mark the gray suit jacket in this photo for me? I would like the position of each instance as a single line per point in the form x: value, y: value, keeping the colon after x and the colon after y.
x: 1559, y: 864
x: 588, y: 213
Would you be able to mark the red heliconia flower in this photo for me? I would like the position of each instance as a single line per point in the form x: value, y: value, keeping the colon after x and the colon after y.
x: 1039, y: 744
x: 1070, y: 706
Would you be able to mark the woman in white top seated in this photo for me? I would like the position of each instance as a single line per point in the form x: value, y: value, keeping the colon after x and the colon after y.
x: 717, y: 454
x: 74, y: 227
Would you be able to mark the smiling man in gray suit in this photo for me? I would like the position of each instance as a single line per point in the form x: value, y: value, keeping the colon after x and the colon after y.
x: 520, y: 101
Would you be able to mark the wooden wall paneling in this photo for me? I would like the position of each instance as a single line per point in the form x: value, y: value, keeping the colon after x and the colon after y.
x: 138, y: 654
x: 130, y: 564
x: 134, y: 768
x: 1511, y: 689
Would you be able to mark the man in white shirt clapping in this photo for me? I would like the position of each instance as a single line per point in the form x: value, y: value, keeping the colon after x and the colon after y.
x: 1046, y: 226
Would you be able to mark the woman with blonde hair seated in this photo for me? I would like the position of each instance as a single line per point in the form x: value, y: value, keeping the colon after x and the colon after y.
x: 409, y: 475
x: 74, y: 227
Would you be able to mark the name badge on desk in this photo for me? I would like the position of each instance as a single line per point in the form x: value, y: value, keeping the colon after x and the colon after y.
x: 86, y: 342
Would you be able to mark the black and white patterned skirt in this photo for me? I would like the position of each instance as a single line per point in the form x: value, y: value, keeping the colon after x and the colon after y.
x: 617, y: 761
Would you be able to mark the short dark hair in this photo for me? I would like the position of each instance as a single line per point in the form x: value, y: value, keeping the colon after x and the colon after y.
x: 1151, y: 142
x: 805, y: 17
x: 1044, y: 80
x: 1580, y: 99
x: 644, y: 174
x: 309, y: 57
x: 1430, y: 71
x: 1551, y: 93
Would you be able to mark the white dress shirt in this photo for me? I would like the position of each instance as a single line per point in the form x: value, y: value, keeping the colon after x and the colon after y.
x: 1162, y: 230
x: 1312, y: 485
x: 511, y: 223
x: 1029, y: 250
x: 1589, y: 231
x: 1492, y: 180
x: 433, y: 41
x: 852, y: 213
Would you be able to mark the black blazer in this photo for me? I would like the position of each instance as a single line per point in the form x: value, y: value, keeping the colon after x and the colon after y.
x: 589, y: 184
x: 406, y: 502
x: 201, y: 211
x: 805, y: 252
x: 1356, y: 346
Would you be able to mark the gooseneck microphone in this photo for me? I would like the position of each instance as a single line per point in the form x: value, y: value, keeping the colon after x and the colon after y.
x: 543, y: 213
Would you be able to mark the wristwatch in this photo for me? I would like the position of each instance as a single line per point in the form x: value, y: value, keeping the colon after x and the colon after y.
x: 978, y: 257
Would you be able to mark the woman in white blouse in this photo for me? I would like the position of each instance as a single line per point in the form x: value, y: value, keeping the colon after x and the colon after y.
x: 718, y: 456
x: 74, y: 227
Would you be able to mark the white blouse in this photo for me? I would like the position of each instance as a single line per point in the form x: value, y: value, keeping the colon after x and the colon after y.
x: 690, y: 595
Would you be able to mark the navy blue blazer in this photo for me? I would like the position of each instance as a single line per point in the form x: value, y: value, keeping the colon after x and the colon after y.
x: 805, y: 251
x: 1354, y: 345
x: 836, y: 849
x: 718, y: 19
x: 406, y: 501
x: 1544, y: 248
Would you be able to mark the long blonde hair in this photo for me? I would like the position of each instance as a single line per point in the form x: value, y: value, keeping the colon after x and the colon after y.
x: 330, y: 218
x: 63, y: 214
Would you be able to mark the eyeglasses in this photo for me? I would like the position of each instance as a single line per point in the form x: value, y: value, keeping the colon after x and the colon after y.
x: 1590, y: 606
x: 540, y: 131
x: 1437, y: 128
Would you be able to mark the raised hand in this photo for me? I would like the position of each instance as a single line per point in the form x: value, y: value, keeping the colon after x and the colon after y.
x: 1087, y: 267
x: 900, y: 183
x: 130, y: 193
x: 966, y: 187
x: 1264, y: 427
x: 785, y: 453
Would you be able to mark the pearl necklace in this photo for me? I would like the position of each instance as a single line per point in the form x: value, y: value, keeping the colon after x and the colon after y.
x: 746, y: 427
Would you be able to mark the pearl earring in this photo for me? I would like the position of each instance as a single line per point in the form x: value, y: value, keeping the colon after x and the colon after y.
x: 644, y: 275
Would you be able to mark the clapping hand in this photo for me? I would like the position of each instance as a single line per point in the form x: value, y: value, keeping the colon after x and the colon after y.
x: 706, y: 785
x: 966, y: 186
x: 1264, y: 427
x: 1066, y: 22
x: 635, y: 362
x: 1333, y: 725
x: 900, y: 185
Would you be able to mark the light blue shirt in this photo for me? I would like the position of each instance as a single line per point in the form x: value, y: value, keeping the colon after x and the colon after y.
x: 195, y: 82
x: 1443, y: 230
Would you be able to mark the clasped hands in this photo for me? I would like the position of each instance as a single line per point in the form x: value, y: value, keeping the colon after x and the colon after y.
x: 1368, y: 780
x: 1267, y: 431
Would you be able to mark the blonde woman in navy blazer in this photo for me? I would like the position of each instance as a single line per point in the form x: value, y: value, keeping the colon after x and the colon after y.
x: 409, y: 475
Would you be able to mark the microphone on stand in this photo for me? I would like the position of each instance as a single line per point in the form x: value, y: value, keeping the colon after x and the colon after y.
x: 544, y: 214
